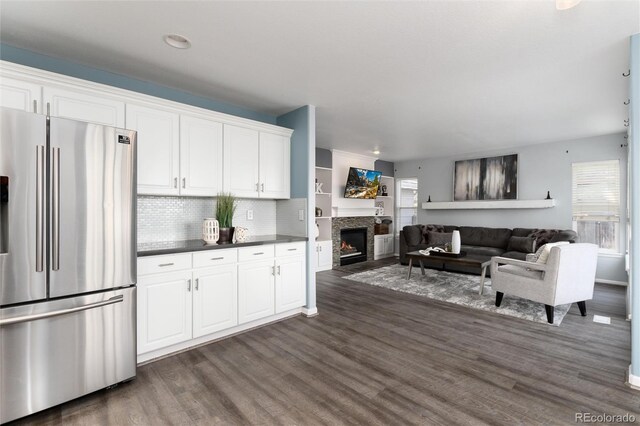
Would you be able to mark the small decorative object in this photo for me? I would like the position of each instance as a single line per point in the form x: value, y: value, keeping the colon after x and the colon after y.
x: 447, y: 247
x: 317, y: 230
x: 225, y: 209
x: 241, y: 234
x: 384, y: 191
x: 319, y: 188
x: 455, y: 242
x: 429, y: 200
x: 210, y: 231
x: 548, y: 196
x: 318, y: 212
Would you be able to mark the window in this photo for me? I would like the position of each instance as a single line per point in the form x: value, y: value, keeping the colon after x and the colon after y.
x: 407, y: 202
x: 596, y: 203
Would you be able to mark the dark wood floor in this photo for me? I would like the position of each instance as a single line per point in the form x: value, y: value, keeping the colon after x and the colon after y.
x: 374, y: 356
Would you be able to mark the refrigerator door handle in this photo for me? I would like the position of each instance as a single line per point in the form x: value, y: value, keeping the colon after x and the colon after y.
x: 40, y: 208
x: 27, y: 318
x: 55, y: 211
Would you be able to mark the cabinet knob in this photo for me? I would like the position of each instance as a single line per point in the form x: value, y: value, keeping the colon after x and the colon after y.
x: 262, y: 187
x: 188, y: 285
x: 197, y: 282
x: 184, y: 182
x: 175, y: 182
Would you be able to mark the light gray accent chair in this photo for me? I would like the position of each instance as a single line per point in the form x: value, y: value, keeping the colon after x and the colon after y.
x: 567, y: 277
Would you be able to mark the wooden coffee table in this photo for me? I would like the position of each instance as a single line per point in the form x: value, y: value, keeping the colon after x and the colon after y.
x: 445, y: 260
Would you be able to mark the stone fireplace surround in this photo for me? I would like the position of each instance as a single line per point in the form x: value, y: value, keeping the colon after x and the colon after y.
x: 338, y: 223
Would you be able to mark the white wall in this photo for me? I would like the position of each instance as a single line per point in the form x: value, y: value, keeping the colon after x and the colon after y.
x: 541, y: 168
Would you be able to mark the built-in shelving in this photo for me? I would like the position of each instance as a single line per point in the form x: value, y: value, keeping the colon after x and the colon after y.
x: 323, y: 202
x: 493, y: 204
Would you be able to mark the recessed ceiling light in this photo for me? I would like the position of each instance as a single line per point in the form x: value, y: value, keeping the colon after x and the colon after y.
x: 376, y: 152
x: 566, y: 4
x: 177, y: 41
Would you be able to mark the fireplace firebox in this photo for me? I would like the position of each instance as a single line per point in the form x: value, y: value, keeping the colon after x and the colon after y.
x: 353, y: 245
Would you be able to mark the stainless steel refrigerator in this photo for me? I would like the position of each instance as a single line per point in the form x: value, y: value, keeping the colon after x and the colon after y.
x: 67, y: 260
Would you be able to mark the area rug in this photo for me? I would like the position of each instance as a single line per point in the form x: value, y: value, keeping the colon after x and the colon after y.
x: 461, y: 289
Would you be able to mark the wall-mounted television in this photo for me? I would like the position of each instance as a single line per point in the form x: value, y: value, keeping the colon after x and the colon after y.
x: 362, y: 183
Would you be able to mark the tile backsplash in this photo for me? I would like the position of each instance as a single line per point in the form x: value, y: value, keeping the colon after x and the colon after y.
x: 180, y: 218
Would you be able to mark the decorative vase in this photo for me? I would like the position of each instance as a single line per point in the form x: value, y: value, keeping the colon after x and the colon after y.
x: 317, y: 230
x: 210, y: 231
x: 455, y: 242
x: 226, y: 235
x: 318, y: 212
x: 241, y: 234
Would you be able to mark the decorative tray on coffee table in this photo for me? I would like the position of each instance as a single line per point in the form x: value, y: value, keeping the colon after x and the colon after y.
x: 447, y: 254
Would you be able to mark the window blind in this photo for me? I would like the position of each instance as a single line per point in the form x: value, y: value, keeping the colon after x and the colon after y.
x: 596, y: 191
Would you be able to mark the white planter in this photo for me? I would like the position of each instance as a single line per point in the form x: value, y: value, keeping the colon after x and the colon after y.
x: 241, y: 234
x: 210, y: 231
x: 455, y: 242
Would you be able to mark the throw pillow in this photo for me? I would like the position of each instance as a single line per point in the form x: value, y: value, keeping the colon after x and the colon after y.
x: 438, y: 238
x: 430, y: 228
x: 546, y: 250
x: 542, y: 236
x: 522, y: 244
x: 412, y: 235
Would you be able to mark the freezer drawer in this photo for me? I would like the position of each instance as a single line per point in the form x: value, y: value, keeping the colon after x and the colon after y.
x: 56, y: 351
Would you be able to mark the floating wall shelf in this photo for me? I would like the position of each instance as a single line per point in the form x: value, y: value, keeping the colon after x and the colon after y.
x: 493, y: 204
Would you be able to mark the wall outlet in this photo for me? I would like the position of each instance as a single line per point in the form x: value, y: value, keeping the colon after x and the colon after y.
x: 249, y: 214
x: 301, y: 214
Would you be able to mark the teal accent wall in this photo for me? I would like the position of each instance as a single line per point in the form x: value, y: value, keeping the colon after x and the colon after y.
x: 72, y: 69
x: 634, y: 191
x: 303, y: 159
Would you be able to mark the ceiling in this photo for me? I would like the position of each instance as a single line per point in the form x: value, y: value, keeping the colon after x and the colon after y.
x: 412, y: 79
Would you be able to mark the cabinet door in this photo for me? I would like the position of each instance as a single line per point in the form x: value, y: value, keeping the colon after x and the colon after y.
x: 388, y: 244
x: 158, y: 149
x: 164, y: 310
x: 325, y: 255
x: 274, y: 166
x: 378, y: 246
x: 256, y: 285
x: 290, y: 283
x: 241, y: 161
x: 215, y: 299
x: 83, y: 106
x: 20, y: 94
x: 200, y: 156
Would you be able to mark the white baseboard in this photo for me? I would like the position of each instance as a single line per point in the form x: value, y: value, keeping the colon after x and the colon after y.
x: 310, y: 312
x: 612, y: 282
x: 633, y: 381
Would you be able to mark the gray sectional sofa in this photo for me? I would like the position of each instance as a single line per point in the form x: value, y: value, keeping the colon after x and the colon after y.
x: 480, y: 242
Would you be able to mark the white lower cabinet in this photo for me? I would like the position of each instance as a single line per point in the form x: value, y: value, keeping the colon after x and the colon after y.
x: 324, y: 255
x: 214, y: 293
x: 382, y: 246
x: 290, y: 278
x: 164, y: 310
x: 256, y: 285
x: 215, y: 298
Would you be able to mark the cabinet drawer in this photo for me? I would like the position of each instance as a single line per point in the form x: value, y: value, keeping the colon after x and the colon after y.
x: 255, y: 253
x: 290, y: 249
x: 214, y: 257
x: 167, y: 263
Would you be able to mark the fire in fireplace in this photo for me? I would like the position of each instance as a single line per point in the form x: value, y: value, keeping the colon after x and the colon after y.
x: 353, y: 245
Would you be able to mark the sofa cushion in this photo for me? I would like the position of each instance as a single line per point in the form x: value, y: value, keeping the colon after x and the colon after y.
x: 482, y: 251
x: 522, y: 232
x: 515, y: 255
x: 487, y: 237
x: 437, y: 238
x: 564, y: 235
x: 430, y: 228
x: 522, y: 244
x: 543, y: 236
x: 412, y: 235
x: 520, y: 271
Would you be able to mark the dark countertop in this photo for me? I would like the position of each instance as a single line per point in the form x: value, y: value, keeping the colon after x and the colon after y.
x: 169, y: 247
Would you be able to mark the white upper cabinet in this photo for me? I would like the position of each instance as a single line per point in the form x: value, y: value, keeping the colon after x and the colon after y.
x: 20, y: 94
x: 201, y: 161
x: 274, y: 166
x: 241, y: 159
x: 83, y: 106
x: 158, y: 149
x: 256, y: 164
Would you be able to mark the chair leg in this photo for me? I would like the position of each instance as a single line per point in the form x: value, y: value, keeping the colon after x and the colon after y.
x: 583, y: 308
x: 499, y: 295
x: 549, y: 310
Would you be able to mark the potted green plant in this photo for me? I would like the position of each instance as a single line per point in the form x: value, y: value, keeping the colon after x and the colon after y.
x: 226, y: 205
